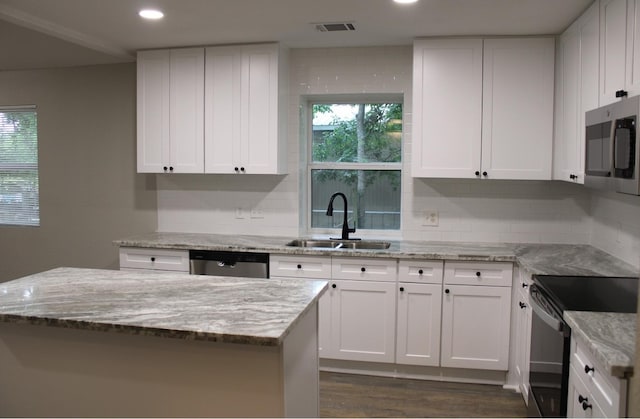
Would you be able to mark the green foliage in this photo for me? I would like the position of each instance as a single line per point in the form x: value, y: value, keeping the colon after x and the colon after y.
x: 18, y: 137
x: 381, y: 143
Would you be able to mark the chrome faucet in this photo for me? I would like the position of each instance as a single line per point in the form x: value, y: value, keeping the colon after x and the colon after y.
x: 345, y: 226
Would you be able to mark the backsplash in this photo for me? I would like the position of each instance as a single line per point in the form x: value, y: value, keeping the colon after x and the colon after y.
x: 468, y: 210
x: 615, y: 225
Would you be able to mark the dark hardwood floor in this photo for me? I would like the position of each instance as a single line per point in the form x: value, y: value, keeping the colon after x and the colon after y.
x: 347, y: 395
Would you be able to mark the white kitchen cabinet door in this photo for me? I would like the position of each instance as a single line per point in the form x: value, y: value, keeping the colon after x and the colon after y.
x: 171, y: 111
x: 523, y: 340
x: 567, y: 105
x: 187, y: 110
x: 613, y: 37
x: 475, y: 327
x: 447, y: 108
x: 363, y: 319
x: 419, y: 314
x: 632, y: 70
x: 153, y: 68
x: 580, y: 402
x: 245, y: 103
x: 578, y: 78
x: 324, y: 323
x: 517, y: 108
x: 222, y: 109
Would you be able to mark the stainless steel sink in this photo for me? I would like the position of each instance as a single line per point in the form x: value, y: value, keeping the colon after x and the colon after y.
x: 340, y: 244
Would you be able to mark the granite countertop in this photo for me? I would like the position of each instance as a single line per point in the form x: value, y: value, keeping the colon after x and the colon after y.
x: 610, y: 337
x: 176, y: 305
x: 545, y: 259
x: 608, y: 334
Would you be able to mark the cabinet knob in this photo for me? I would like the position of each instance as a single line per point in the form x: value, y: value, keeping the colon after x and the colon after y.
x: 333, y: 285
x: 153, y: 259
x: 484, y: 173
x: 447, y: 291
x: 586, y: 406
x: 299, y: 266
x: 572, y: 176
x: 522, y: 305
x: 401, y: 289
x: 525, y: 286
x: 477, y: 173
x: 165, y: 168
x: 588, y: 369
x: 171, y: 168
x: 478, y: 274
x: 363, y: 269
x: 242, y: 169
x: 236, y: 169
x: 420, y: 272
x: 621, y: 93
x: 582, y: 399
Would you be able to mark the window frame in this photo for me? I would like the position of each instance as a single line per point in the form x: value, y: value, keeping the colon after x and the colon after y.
x: 310, y: 165
x: 19, y: 167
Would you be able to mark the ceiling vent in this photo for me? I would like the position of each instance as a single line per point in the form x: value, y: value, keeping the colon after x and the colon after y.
x: 334, y: 26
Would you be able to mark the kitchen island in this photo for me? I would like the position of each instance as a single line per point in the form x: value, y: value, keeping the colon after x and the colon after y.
x: 87, y: 342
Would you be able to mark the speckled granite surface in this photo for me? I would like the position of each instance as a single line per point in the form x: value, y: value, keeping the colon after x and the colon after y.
x: 274, y: 244
x: 221, y: 309
x: 546, y: 259
x: 610, y: 337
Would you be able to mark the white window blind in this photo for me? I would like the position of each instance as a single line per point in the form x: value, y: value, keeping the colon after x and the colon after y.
x: 19, y: 189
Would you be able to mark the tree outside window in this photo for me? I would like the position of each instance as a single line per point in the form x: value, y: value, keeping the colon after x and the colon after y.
x: 357, y: 149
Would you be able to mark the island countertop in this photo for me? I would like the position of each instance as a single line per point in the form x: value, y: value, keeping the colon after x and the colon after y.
x: 176, y: 305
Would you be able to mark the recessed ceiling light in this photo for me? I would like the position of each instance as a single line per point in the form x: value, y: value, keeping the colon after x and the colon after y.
x: 151, y: 14
x: 405, y: 1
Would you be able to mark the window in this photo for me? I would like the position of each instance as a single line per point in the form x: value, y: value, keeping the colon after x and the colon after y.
x: 356, y: 149
x: 19, y: 196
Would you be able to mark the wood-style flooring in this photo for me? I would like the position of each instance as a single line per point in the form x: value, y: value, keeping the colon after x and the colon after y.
x: 347, y: 395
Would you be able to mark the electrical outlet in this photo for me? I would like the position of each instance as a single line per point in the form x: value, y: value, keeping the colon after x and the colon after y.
x: 430, y: 218
x: 257, y: 213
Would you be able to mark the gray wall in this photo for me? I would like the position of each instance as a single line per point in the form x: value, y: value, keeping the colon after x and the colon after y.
x: 90, y: 193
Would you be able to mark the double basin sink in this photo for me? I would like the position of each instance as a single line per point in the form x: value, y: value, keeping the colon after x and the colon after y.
x: 340, y: 244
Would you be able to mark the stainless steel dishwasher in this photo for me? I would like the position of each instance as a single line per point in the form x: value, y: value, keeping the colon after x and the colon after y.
x: 222, y: 263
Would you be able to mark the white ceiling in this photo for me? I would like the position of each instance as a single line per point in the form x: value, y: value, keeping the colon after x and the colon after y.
x: 46, y: 33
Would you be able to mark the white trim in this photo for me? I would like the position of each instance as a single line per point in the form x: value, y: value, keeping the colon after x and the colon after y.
x: 16, y: 108
x: 29, y: 21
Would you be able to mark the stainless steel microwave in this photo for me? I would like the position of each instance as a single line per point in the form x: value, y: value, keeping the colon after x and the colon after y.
x: 611, y: 147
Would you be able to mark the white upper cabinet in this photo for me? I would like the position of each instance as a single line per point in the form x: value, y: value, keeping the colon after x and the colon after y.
x: 483, y: 109
x: 517, y: 104
x: 620, y: 52
x: 447, y: 107
x: 213, y: 110
x: 245, y: 102
x: 576, y: 92
x: 171, y: 111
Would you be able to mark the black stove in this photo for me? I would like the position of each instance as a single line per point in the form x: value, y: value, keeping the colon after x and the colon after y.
x: 590, y: 293
x: 550, y: 297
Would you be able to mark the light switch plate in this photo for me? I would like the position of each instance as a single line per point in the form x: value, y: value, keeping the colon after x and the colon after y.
x: 430, y: 218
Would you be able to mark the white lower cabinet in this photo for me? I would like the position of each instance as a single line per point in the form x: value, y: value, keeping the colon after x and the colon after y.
x: 419, y: 314
x: 389, y: 311
x: 476, y: 318
x: 522, y: 318
x: 362, y: 321
x: 593, y: 392
x: 154, y: 259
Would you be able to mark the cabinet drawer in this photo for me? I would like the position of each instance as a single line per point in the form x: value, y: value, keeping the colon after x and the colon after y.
x: 478, y: 273
x: 293, y: 266
x: 371, y: 269
x: 606, y: 390
x: 420, y: 271
x: 580, y: 401
x: 154, y: 259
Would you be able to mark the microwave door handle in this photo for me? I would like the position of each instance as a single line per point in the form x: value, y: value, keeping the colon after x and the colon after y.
x: 547, y: 318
